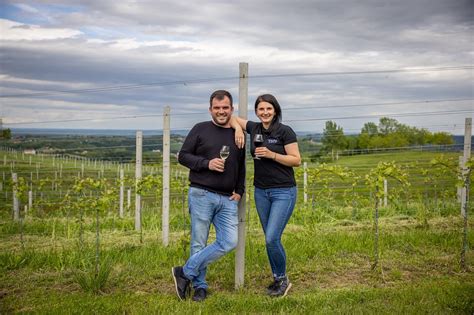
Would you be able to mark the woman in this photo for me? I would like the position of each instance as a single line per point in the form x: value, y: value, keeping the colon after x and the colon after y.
x: 274, y: 181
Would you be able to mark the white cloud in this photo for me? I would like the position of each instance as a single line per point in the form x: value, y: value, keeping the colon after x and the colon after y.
x: 14, y: 31
x: 26, y: 7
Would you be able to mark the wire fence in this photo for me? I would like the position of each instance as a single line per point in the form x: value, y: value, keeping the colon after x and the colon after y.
x: 51, y: 177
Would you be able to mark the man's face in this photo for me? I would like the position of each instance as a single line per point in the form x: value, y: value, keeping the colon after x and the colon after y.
x: 221, y: 111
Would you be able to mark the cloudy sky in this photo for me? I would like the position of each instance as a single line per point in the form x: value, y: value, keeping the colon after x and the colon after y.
x: 98, y: 64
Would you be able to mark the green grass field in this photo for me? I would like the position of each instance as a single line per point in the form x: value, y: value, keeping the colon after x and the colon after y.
x: 329, y: 265
x: 329, y: 249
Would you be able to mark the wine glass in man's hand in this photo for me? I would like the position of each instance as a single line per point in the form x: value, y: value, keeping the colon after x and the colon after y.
x: 225, y: 152
x: 258, y: 142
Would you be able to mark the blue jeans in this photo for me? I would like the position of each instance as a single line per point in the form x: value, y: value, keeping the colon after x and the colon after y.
x: 274, y: 207
x: 205, y: 208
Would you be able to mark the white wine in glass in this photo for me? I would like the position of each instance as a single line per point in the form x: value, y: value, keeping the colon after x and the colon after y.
x: 225, y: 151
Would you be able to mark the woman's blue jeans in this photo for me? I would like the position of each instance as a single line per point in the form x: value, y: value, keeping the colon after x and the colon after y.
x: 274, y: 207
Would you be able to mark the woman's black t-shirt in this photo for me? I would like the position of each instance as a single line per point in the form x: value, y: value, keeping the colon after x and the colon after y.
x: 268, y: 173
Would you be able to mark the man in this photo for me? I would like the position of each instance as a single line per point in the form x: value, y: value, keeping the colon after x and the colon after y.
x: 215, y: 190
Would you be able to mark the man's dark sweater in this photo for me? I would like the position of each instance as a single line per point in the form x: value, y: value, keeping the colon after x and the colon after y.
x: 203, y: 144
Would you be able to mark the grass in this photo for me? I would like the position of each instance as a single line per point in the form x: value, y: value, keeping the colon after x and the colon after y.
x: 423, y: 298
x: 329, y: 246
x: 328, y: 263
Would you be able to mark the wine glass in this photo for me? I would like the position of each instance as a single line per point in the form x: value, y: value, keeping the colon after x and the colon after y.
x: 258, y: 142
x: 225, y: 151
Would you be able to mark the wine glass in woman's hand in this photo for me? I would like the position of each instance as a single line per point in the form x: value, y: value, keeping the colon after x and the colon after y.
x: 258, y: 142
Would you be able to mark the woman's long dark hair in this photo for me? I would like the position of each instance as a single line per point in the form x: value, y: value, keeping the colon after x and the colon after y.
x: 276, y: 106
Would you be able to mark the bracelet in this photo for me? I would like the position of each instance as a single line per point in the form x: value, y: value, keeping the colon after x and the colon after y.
x: 274, y: 157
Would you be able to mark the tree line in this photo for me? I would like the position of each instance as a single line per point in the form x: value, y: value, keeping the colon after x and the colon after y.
x: 388, y: 133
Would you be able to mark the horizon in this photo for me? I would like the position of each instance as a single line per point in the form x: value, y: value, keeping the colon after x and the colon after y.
x: 158, y: 131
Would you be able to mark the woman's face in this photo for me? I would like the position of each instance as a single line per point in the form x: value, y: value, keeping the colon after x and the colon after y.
x: 265, y: 112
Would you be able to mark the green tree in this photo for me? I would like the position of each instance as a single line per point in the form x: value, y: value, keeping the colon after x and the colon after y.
x: 413, y: 135
x: 370, y: 128
x: 390, y: 133
x: 363, y: 141
x: 395, y: 140
x: 6, y: 134
x: 351, y: 142
x: 388, y: 125
x: 377, y: 142
x: 441, y: 138
x: 333, y: 138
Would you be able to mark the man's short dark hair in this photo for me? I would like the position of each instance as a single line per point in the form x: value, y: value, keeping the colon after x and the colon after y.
x: 220, y: 95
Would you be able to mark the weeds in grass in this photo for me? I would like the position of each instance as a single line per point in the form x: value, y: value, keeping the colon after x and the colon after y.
x: 12, y: 261
x: 91, y: 277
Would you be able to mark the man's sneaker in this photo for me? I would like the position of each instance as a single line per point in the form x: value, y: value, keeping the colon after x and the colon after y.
x: 200, y: 294
x: 181, y: 283
x: 272, y: 287
x: 280, y: 288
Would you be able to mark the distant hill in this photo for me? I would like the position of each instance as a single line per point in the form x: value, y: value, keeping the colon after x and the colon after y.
x: 114, y: 132
x: 90, y: 132
x: 458, y: 139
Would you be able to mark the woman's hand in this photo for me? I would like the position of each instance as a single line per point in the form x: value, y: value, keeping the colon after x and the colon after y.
x: 239, y: 125
x: 239, y: 138
x: 264, y: 152
x: 235, y: 196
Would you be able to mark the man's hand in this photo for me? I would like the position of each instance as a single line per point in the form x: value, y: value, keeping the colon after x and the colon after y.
x: 217, y: 165
x: 235, y: 197
x: 239, y: 138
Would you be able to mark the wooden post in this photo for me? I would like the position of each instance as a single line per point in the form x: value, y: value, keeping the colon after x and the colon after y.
x: 166, y: 176
x: 376, y: 230
x: 121, y: 194
x: 129, y: 198
x: 16, y: 204
x: 30, y: 199
x: 459, y: 193
x: 467, y: 155
x: 138, y: 176
x: 305, y: 181
x: 466, y: 188
x: 240, y: 251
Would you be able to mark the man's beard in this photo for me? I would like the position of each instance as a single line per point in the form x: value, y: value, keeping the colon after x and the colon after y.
x: 227, y: 119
